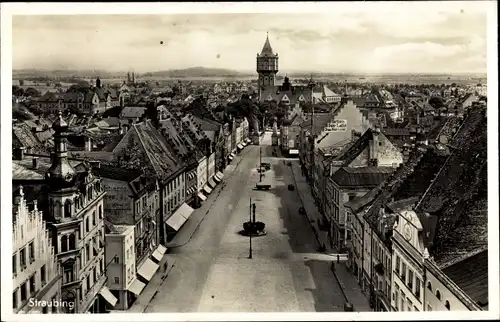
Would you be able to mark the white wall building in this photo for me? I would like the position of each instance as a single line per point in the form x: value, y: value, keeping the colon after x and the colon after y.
x: 35, y: 273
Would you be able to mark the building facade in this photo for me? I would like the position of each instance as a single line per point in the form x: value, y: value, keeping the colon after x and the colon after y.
x: 36, y: 277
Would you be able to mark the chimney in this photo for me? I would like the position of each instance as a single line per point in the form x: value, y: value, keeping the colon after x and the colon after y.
x: 88, y: 144
x: 19, y: 153
x: 35, y: 163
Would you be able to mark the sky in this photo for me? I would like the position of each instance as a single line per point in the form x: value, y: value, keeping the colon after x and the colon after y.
x: 404, y: 38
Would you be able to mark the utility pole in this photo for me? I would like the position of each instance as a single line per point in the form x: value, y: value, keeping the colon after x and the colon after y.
x: 250, y: 234
x: 260, y: 163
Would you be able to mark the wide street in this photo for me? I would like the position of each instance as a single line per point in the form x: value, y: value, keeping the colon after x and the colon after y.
x: 212, y: 271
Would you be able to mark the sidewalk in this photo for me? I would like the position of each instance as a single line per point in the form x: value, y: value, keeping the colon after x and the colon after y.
x: 351, y: 288
x: 311, y: 209
x: 154, y: 284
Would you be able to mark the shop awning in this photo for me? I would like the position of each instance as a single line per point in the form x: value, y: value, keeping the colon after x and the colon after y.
x: 148, y: 269
x: 248, y: 140
x: 231, y: 157
x: 232, y: 154
x: 202, y: 196
x: 176, y: 221
x: 207, y: 189
x: 108, y: 296
x: 293, y: 152
x: 136, y: 287
x: 159, y: 252
x: 240, y: 146
x: 219, y: 176
x: 212, y: 183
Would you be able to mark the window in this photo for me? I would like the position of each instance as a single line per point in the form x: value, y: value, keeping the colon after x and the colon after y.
x: 396, y: 296
x: 403, y: 273
x: 87, y: 280
x: 94, y: 274
x: 22, y: 258
x: 410, y: 279
x: 54, y: 308
x: 410, y: 304
x: 32, y: 251
x: 72, y: 242
x: 100, y: 211
x: 447, y: 305
x: 417, y: 287
x: 403, y: 297
x: 64, y: 243
x: 398, y: 263
x: 68, y: 276
x: 117, y: 260
x: 24, y: 292
x: 32, y: 284
x: 67, y: 209
x: 14, y: 264
x: 117, y: 280
x: 14, y: 299
x: 93, y: 218
x: 87, y: 252
x: 43, y: 278
x: 438, y: 294
x: 429, y: 286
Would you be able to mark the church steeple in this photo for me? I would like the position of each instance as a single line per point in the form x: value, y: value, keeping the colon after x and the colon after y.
x: 61, y: 174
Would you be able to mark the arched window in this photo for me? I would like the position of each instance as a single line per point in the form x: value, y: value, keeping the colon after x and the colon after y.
x: 67, y: 209
x: 87, y: 225
x: 77, y: 203
x: 100, y: 211
x: 429, y: 286
x: 57, y: 209
x: 72, y: 242
x: 447, y: 305
x: 93, y: 218
x: 438, y: 294
x: 64, y: 243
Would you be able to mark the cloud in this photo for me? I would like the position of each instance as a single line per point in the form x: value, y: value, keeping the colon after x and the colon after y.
x: 397, y: 38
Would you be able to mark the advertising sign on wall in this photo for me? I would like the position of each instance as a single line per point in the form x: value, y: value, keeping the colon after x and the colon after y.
x: 337, y: 126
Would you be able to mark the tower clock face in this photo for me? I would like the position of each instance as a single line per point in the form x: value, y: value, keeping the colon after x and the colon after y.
x: 407, y: 231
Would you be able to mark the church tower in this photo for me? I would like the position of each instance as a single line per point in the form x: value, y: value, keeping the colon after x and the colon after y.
x: 267, y: 66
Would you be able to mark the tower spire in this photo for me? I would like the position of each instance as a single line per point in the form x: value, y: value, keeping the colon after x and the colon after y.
x: 267, y: 49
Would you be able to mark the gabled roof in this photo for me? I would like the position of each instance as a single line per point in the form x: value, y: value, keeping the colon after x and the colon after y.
x: 22, y: 136
x: 361, y: 177
x: 456, y: 201
x: 155, y: 148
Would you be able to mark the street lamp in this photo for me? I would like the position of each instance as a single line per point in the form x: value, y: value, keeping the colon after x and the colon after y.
x: 250, y: 232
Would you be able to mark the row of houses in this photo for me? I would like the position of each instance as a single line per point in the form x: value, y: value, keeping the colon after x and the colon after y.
x: 394, y: 200
x: 98, y: 222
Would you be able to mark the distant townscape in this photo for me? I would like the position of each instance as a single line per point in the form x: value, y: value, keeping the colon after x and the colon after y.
x: 204, y: 190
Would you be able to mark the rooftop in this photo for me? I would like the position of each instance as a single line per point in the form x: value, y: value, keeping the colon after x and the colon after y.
x: 457, y: 198
x: 471, y: 275
x: 362, y: 177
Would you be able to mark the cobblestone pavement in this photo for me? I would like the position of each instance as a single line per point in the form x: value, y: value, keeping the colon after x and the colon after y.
x: 212, y: 271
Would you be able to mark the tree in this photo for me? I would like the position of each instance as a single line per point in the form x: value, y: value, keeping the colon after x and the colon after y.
x: 30, y: 91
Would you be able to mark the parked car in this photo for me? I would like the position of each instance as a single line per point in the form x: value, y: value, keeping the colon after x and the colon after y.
x: 291, y: 187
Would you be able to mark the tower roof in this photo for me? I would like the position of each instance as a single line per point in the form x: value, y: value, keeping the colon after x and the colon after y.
x: 267, y: 49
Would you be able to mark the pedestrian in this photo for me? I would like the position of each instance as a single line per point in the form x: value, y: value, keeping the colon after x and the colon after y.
x: 165, y: 266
